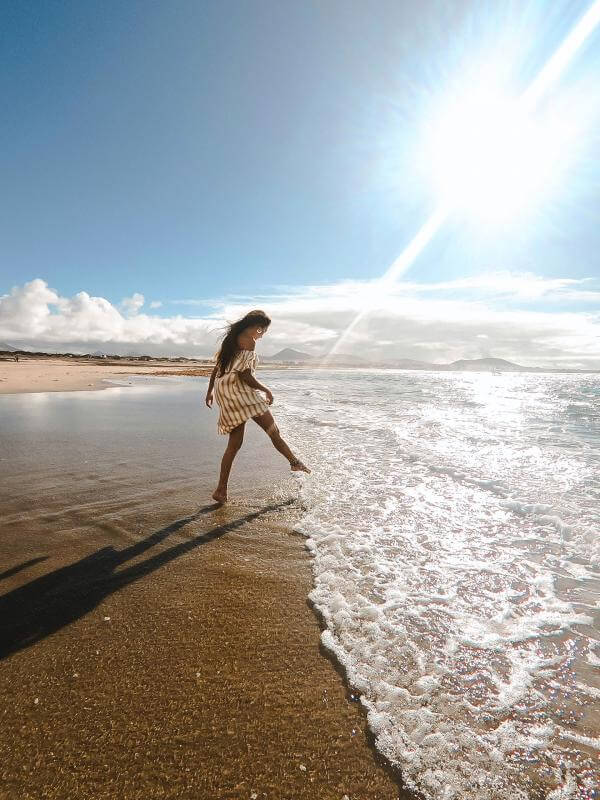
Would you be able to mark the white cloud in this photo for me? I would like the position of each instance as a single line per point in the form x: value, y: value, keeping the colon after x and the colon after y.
x: 522, y: 286
x: 156, y: 304
x: 35, y: 312
x: 507, y: 315
x: 131, y: 305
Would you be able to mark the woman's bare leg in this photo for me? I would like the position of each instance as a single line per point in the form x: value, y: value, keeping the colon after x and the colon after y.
x: 236, y: 437
x: 267, y: 423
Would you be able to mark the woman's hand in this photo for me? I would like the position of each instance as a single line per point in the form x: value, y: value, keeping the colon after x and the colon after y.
x: 269, y: 395
x: 209, y: 399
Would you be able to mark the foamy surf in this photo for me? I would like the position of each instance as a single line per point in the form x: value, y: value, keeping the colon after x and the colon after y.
x: 453, y: 521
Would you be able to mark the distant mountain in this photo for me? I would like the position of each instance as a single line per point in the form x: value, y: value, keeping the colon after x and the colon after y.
x: 486, y: 365
x: 463, y: 365
x: 290, y: 356
x: 287, y: 354
x: 8, y: 348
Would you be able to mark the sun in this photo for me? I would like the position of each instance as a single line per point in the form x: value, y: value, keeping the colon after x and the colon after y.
x: 491, y: 158
x: 492, y: 155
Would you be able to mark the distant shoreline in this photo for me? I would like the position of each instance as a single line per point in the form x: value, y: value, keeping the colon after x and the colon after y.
x: 72, y: 374
x: 42, y: 372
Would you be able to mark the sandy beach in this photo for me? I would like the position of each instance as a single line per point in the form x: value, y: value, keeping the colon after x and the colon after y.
x: 77, y: 374
x: 154, y: 645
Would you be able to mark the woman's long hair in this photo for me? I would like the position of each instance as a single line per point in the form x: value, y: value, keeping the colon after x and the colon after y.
x: 229, y: 345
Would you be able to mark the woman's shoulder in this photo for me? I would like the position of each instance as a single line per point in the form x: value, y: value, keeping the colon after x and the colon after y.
x: 244, y: 357
x: 243, y: 345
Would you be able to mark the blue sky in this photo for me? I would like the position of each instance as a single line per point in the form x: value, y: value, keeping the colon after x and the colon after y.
x: 219, y: 151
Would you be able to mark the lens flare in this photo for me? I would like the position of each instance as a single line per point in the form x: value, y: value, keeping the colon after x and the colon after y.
x: 491, y: 159
x: 389, y: 278
x: 559, y: 61
x: 493, y: 156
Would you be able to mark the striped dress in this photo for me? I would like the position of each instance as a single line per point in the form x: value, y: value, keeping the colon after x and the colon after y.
x: 237, y: 401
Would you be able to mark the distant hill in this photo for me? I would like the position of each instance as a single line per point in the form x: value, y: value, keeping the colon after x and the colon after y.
x: 486, y: 364
x: 288, y: 354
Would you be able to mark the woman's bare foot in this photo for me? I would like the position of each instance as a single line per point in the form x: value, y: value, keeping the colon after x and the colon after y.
x: 220, y: 495
x: 297, y: 466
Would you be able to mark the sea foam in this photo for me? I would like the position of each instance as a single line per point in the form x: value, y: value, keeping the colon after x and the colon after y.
x: 453, y: 524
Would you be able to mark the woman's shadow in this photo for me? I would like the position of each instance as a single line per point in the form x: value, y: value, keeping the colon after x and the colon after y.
x: 46, y: 604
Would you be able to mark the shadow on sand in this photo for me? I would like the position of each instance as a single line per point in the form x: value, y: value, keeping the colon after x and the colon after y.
x: 46, y: 604
x: 14, y: 570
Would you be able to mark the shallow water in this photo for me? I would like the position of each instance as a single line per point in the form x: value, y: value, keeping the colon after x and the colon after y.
x: 454, y: 523
x: 92, y: 458
x: 148, y: 433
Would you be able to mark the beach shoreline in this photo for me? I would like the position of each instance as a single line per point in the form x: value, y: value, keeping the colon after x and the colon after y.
x: 82, y: 374
x: 159, y: 646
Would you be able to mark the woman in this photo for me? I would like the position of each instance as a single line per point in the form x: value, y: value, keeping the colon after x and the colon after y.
x: 237, y: 394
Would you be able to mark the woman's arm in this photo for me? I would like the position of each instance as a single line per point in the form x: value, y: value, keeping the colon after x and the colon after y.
x: 211, y: 383
x: 251, y: 381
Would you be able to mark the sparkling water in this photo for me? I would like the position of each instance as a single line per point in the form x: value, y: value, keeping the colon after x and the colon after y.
x: 454, y: 521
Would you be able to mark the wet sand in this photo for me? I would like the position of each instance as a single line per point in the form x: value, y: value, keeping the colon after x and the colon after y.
x: 154, y: 645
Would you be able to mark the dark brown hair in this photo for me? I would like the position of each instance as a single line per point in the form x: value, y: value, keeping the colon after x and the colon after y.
x: 229, y: 345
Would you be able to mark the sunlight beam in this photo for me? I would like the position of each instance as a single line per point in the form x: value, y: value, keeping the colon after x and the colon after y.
x: 544, y: 80
x: 395, y: 271
x: 558, y: 62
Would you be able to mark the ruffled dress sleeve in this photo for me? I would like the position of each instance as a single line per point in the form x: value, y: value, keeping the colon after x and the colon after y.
x: 244, y: 360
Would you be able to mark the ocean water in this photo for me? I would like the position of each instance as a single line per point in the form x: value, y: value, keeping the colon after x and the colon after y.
x: 454, y: 521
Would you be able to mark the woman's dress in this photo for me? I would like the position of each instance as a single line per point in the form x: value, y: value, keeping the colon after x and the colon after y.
x: 237, y: 401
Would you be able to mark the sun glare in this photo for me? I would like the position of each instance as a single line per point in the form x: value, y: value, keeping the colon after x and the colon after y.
x: 492, y: 156
x: 491, y: 159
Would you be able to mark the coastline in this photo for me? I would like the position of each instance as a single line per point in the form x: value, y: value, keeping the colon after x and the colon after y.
x: 161, y: 647
x: 74, y: 374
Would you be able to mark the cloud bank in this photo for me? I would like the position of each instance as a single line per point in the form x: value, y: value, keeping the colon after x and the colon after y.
x: 36, y: 314
x: 519, y: 316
